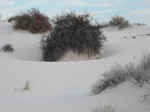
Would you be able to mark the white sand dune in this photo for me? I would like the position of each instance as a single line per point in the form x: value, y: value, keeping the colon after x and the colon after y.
x: 65, y: 86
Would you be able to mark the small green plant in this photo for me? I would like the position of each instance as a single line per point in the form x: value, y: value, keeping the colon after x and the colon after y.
x: 27, y: 86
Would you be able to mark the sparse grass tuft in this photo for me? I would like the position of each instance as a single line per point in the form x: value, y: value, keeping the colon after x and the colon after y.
x: 139, y: 75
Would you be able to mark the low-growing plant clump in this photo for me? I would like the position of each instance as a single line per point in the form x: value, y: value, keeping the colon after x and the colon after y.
x: 139, y: 75
x: 75, y: 33
x: 7, y: 48
x: 119, y: 22
x: 33, y: 21
x: 27, y: 86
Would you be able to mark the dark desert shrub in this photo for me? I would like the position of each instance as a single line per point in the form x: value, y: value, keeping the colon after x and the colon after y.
x: 33, y: 21
x: 23, y: 22
x: 119, y: 21
x: 12, y: 19
x: 139, y: 75
x: 72, y: 32
x: 7, y: 48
